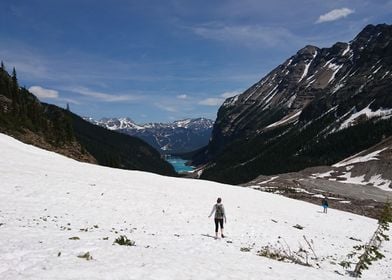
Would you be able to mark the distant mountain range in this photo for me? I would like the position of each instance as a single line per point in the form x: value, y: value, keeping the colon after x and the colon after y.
x: 320, y: 106
x: 169, y: 138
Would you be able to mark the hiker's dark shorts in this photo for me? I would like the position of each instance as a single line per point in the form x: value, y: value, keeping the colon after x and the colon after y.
x: 217, y: 223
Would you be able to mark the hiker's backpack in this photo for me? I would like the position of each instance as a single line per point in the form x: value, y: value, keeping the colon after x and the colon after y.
x: 219, y: 213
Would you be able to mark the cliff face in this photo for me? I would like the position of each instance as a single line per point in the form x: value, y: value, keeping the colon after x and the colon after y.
x: 314, y: 95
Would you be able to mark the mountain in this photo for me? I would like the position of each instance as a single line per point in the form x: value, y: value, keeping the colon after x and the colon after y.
x: 50, y: 127
x: 54, y: 209
x: 317, y: 108
x: 170, y: 138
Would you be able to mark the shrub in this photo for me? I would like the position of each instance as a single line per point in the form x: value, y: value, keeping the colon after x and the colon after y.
x: 123, y: 240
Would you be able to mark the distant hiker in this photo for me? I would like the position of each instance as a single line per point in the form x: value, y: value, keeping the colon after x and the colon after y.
x: 220, y: 215
x: 325, y: 204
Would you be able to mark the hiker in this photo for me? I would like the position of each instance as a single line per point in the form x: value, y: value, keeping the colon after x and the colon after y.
x: 220, y: 215
x: 325, y: 204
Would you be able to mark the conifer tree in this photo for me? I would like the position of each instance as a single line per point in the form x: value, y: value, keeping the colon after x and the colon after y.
x: 14, y: 78
x: 14, y: 92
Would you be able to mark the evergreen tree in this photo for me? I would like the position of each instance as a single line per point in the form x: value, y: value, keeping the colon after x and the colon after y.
x: 2, y: 66
x: 14, y: 92
x: 14, y: 78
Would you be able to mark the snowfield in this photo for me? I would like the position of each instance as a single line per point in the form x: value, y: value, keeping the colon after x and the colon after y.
x: 45, y: 199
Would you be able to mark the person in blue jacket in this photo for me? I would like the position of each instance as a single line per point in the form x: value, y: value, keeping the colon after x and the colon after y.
x: 324, y: 203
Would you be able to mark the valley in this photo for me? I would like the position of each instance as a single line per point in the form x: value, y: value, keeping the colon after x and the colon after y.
x: 50, y: 220
x: 123, y: 124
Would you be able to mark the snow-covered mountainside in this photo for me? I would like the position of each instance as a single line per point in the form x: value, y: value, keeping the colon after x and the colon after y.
x: 360, y: 183
x: 176, y: 137
x: 371, y: 167
x: 54, y: 209
x: 318, y: 107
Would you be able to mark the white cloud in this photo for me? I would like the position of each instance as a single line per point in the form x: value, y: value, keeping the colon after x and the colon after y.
x: 212, y: 101
x: 335, y: 15
x: 41, y: 92
x: 217, y: 101
x: 249, y: 35
x: 182, y: 96
x: 228, y: 94
x: 101, y: 96
x: 167, y: 108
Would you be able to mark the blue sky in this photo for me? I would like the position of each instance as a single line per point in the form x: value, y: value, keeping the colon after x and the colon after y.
x: 158, y: 61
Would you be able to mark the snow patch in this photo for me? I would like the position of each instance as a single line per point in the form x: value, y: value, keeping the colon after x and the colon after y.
x: 291, y: 101
x: 267, y: 181
x: 285, y: 119
x: 386, y: 73
x: 375, y: 71
x: 307, y: 67
x: 323, y: 175
x: 357, y: 159
x: 379, y: 182
x: 384, y: 113
x: 335, y: 68
x: 360, y: 180
x: 346, y: 50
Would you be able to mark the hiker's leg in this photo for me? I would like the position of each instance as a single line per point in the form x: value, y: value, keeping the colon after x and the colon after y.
x: 221, y: 226
x: 216, y: 227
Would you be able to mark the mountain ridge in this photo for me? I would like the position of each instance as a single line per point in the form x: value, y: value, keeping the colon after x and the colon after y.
x: 179, y: 136
x: 304, y: 110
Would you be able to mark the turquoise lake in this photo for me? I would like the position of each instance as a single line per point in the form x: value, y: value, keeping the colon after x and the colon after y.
x: 179, y: 164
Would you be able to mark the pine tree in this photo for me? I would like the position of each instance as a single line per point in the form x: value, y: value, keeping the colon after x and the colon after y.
x: 2, y: 66
x: 14, y: 78
x: 14, y: 92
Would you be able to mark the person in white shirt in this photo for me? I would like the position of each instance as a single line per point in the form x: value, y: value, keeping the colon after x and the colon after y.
x: 220, y: 215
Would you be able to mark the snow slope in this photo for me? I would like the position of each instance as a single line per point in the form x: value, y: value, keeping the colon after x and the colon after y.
x: 45, y: 199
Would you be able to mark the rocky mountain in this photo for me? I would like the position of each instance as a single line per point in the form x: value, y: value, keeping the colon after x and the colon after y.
x: 170, y: 138
x: 317, y: 108
x: 24, y: 117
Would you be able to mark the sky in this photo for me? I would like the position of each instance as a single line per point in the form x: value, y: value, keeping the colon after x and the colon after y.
x: 160, y: 61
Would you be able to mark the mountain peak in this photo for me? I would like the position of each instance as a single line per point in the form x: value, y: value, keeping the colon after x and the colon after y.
x: 371, y: 31
x: 308, y: 49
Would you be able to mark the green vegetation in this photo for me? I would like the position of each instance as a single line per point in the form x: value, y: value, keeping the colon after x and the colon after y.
x: 21, y: 111
x: 123, y: 240
x: 368, y: 253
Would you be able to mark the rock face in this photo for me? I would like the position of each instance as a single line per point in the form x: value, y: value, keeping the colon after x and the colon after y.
x: 177, y: 137
x: 306, y: 111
